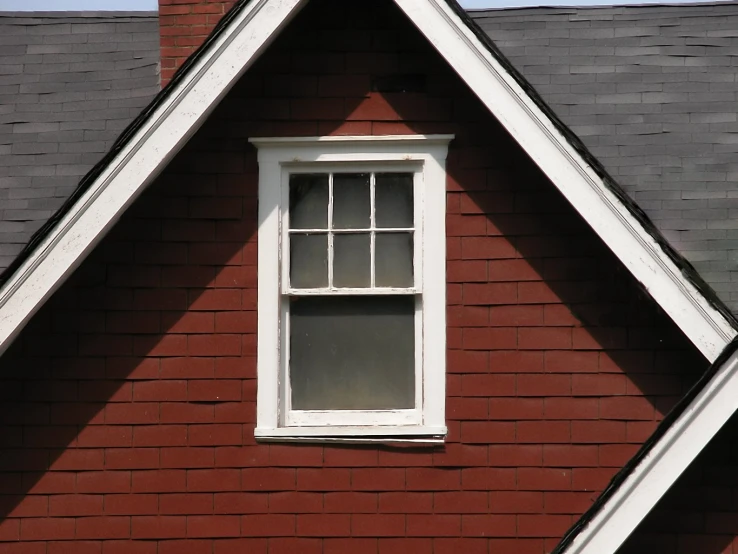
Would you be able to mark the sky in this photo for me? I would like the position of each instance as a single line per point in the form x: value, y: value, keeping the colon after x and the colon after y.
x: 76, y: 5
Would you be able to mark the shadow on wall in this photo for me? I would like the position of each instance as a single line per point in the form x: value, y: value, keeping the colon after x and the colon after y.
x: 144, y: 362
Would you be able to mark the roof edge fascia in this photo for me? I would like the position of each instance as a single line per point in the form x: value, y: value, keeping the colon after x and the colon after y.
x: 153, y: 144
x: 680, y: 437
x: 578, y: 181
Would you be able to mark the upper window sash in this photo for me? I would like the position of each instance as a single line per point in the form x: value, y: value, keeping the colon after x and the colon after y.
x: 413, y: 167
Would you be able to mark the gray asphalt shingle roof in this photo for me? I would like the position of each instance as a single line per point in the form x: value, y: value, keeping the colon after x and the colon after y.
x: 70, y: 82
x: 652, y: 91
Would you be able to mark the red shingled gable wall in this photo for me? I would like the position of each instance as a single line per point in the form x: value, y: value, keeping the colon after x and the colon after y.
x: 129, y: 401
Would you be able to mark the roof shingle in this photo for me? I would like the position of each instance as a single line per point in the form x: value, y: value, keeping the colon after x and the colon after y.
x: 652, y: 91
x: 69, y: 82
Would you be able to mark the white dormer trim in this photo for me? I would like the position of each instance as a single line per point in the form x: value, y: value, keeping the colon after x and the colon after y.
x: 246, y: 36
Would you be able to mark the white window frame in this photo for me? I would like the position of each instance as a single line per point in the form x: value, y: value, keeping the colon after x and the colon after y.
x: 425, y: 157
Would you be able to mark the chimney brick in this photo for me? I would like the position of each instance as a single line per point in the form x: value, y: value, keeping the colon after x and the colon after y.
x: 183, y: 27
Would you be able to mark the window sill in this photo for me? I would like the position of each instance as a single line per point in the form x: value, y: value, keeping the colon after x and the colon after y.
x: 336, y: 434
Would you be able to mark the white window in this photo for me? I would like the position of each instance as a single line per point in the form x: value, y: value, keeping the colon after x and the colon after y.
x: 352, y: 301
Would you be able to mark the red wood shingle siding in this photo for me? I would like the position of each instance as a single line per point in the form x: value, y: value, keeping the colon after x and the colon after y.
x: 129, y: 401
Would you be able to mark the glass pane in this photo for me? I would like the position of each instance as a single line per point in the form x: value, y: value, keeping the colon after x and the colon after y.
x: 394, y: 260
x: 352, y: 260
x: 351, y: 204
x: 352, y: 352
x: 308, y: 261
x: 309, y: 201
x: 393, y: 199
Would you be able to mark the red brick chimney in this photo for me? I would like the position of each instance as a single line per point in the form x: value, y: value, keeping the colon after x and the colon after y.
x: 183, y: 26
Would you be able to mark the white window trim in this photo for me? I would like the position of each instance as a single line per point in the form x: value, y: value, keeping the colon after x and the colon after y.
x: 424, y: 155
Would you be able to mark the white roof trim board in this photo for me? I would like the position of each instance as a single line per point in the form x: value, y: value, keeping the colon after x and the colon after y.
x: 252, y: 26
x: 160, y: 137
x: 636, y: 248
x: 661, y: 464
